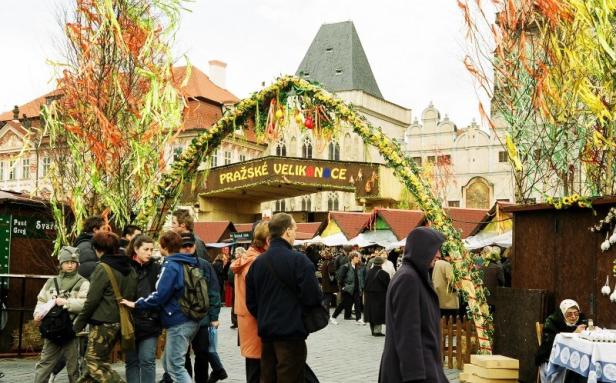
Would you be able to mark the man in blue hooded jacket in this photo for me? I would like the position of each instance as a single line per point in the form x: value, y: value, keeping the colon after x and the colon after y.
x: 169, y: 288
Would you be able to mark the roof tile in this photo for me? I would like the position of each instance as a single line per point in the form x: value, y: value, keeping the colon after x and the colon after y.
x: 212, y: 232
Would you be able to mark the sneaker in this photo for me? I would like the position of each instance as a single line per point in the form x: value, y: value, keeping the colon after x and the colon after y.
x: 333, y: 321
x: 217, y: 375
x: 360, y: 322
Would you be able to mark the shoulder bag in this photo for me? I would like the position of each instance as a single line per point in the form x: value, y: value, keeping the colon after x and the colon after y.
x: 126, y: 323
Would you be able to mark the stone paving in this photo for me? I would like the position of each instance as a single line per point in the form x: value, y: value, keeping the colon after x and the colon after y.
x: 337, y: 354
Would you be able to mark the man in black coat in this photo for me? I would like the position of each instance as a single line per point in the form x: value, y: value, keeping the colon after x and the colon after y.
x: 412, y: 343
x: 87, y: 257
x: 280, y: 283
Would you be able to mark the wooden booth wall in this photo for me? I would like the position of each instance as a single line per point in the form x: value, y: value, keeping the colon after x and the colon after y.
x: 554, y: 250
x: 30, y: 254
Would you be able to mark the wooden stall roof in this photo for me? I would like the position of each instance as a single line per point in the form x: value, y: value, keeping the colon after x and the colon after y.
x: 350, y: 223
x: 604, y: 200
x: 466, y: 220
x: 400, y: 221
x: 213, y: 232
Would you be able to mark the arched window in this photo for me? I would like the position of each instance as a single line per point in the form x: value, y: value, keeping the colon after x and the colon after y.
x: 307, y: 148
x: 281, y: 205
x: 477, y: 194
x: 281, y: 148
x: 334, y: 151
x: 306, y: 203
x: 332, y: 202
x: 348, y: 143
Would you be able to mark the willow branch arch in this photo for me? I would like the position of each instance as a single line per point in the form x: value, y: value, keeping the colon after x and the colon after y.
x: 184, y: 169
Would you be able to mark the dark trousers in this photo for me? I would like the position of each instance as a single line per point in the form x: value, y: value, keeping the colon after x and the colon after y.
x: 283, y: 362
x: 329, y: 300
x: 200, y: 344
x: 346, y: 303
x: 253, y: 370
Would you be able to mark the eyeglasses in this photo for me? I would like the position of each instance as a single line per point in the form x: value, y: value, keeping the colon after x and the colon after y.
x: 572, y: 314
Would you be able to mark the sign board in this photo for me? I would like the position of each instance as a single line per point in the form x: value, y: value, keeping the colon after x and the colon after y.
x: 353, y: 176
x: 243, y: 236
x: 33, y: 227
x: 5, y: 247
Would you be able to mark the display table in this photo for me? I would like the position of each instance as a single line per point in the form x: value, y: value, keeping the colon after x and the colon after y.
x: 594, y: 360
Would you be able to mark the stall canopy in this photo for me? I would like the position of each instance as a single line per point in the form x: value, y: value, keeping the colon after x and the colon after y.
x: 495, y: 228
x: 465, y: 220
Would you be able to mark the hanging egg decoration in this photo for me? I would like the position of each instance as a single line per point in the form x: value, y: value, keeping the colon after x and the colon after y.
x: 613, y: 296
x: 309, y: 123
x: 299, y: 118
x: 605, y: 290
x: 605, y: 245
x: 279, y: 114
x: 613, y: 237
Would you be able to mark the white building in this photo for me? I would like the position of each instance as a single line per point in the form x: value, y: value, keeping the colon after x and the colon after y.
x: 468, y: 167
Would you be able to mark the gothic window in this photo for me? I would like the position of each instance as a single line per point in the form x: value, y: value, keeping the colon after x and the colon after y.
x: 333, y: 202
x: 307, y: 148
x: 280, y: 205
x: 334, y: 151
x: 306, y: 203
x: 281, y: 149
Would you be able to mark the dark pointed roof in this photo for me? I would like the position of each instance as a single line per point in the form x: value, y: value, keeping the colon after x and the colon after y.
x: 337, y: 60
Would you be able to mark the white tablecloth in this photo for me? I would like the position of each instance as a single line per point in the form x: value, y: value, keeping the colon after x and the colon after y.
x: 595, y: 360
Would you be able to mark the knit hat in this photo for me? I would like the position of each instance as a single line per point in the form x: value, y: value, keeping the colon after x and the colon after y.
x: 68, y: 254
x: 378, y: 261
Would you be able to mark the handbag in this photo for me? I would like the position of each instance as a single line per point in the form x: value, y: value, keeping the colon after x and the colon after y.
x: 127, y: 329
x: 57, y: 325
x: 316, y: 317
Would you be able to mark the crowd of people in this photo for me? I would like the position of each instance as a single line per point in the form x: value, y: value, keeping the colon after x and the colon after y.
x: 116, y: 289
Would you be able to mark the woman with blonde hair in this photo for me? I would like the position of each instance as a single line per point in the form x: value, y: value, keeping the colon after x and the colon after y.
x: 250, y: 343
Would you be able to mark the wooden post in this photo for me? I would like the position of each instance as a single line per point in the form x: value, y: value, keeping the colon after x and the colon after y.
x: 443, y: 335
x: 449, y: 342
x: 460, y: 362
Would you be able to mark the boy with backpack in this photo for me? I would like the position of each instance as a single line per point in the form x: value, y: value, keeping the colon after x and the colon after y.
x: 66, y: 293
x: 181, y: 294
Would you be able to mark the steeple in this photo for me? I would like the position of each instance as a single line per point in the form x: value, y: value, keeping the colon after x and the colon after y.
x: 336, y: 59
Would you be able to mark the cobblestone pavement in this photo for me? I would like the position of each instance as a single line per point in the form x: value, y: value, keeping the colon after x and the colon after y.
x: 338, y: 354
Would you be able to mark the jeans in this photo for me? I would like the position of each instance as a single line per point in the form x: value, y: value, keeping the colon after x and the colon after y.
x: 200, y: 345
x: 177, y: 342
x: 141, y: 363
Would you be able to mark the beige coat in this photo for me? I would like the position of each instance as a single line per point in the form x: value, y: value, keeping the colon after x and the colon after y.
x: 442, y: 276
x: 75, y: 300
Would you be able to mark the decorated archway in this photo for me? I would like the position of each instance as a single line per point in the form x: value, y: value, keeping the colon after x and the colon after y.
x: 318, y: 110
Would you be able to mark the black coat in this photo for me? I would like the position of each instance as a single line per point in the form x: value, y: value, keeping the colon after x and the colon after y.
x: 277, y: 309
x: 377, y: 281
x: 554, y: 324
x: 87, y: 256
x: 412, y: 349
x: 328, y: 276
x: 147, y: 322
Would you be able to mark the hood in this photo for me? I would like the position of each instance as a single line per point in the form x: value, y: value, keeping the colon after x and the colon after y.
x: 421, y: 245
x: 83, y: 237
x: 246, y: 259
x: 118, y: 262
x: 183, y: 258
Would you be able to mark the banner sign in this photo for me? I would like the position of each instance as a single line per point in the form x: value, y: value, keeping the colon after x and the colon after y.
x: 358, y: 176
x: 243, y: 236
x: 33, y: 227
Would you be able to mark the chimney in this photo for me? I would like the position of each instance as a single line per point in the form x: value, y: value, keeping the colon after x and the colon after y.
x: 218, y: 73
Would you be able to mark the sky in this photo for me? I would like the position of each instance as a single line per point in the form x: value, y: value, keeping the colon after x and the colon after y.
x: 415, y: 47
